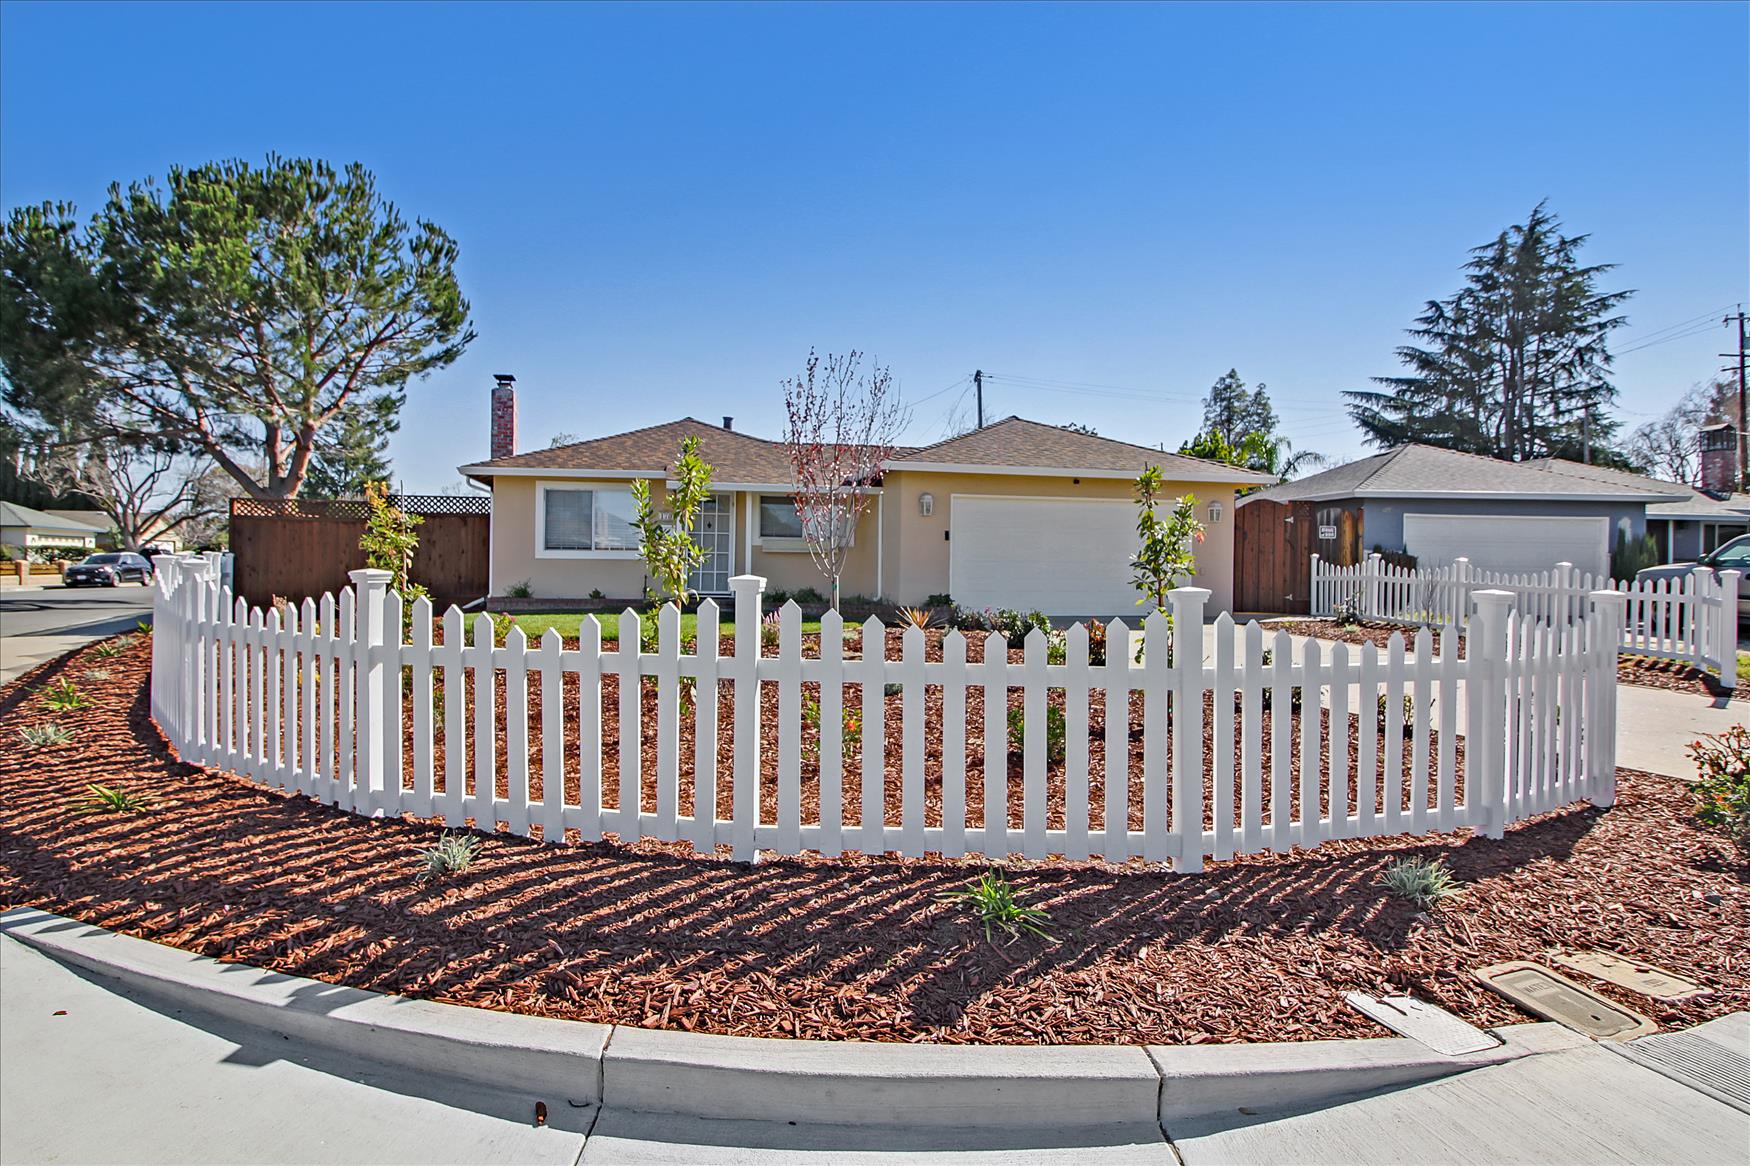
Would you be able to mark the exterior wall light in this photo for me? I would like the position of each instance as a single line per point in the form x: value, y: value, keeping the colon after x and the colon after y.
x: 1215, y: 512
x: 926, y: 504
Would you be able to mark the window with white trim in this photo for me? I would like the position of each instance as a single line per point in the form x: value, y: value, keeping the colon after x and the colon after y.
x: 587, y: 519
x: 779, y: 521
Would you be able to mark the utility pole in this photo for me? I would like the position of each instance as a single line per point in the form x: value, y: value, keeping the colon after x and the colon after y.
x: 978, y: 386
x: 1743, y: 417
x: 1586, y: 435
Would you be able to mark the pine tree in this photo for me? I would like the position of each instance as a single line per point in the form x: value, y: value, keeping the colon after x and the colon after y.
x: 1233, y: 411
x: 1516, y: 364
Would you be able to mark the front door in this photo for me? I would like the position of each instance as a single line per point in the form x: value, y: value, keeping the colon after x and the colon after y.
x: 715, y: 534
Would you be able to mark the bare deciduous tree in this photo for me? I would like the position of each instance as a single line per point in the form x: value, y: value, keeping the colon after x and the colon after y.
x: 1669, y: 446
x: 842, y: 421
x: 146, y: 492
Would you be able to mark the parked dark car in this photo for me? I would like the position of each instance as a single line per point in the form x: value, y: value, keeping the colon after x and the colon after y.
x: 108, y: 569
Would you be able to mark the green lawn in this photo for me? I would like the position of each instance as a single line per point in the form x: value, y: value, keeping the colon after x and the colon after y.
x: 535, y: 626
x: 1743, y: 669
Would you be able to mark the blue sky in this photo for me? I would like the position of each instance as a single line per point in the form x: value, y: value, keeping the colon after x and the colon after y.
x: 661, y: 208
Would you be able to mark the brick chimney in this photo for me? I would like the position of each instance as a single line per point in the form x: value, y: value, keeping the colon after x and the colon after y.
x: 503, y: 415
x: 1719, y: 458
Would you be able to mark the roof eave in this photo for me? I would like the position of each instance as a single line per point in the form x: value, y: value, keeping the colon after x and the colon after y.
x: 1236, y: 477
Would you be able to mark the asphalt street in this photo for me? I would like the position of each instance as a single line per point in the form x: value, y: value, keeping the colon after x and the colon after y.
x: 39, y: 623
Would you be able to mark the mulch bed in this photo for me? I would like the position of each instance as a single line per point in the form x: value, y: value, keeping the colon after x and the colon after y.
x: 1260, y: 948
x: 1644, y: 671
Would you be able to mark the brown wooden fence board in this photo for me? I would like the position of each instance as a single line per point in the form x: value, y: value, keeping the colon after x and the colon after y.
x: 299, y: 550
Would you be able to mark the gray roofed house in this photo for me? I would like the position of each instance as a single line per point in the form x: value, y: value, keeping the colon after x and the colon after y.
x: 1440, y: 504
x: 29, y: 530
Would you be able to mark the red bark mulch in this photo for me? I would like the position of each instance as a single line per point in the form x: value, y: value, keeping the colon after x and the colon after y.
x: 1261, y: 948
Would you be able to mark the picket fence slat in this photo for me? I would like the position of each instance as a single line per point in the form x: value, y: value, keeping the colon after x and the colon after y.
x: 342, y: 702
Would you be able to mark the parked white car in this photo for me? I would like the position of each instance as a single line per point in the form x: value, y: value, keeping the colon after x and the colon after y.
x: 1728, y: 556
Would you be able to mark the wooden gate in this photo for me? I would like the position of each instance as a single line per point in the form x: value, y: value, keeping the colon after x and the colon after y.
x: 298, y: 549
x: 1274, y: 543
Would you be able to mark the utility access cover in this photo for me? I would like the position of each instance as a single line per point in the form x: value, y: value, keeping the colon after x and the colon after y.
x: 1542, y: 992
x: 1628, y: 973
x: 1433, y: 1026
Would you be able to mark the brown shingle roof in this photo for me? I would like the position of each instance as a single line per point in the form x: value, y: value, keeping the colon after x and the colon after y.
x: 1022, y: 444
x: 734, y: 457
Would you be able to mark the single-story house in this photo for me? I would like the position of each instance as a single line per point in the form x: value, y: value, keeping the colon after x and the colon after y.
x: 107, y: 536
x: 38, y: 531
x: 1016, y: 514
x: 1439, y: 505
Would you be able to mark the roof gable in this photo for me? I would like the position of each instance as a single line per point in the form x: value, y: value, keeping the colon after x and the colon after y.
x: 652, y: 451
x: 1018, y: 445
x: 1430, y: 471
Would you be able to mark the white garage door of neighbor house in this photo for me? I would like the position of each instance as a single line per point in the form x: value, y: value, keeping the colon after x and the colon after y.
x: 1496, y: 542
x: 1060, y: 556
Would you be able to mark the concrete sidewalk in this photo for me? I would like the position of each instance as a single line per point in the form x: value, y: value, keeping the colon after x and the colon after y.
x: 91, y: 1073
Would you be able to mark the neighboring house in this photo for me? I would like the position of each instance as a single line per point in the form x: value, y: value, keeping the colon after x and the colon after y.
x: 38, y: 531
x: 106, y: 532
x: 1017, y: 514
x: 1439, y: 505
x: 1687, y: 528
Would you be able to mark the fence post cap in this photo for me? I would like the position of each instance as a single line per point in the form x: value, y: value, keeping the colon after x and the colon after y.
x: 755, y: 583
x: 1493, y: 597
x: 370, y: 577
x: 1200, y: 594
x: 1608, y: 598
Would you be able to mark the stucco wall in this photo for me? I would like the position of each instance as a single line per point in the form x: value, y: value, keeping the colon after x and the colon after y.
x: 514, y: 557
x: 1383, y: 519
x: 917, y: 554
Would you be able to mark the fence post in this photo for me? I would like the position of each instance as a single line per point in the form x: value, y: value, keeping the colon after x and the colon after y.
x: 746, y: 783
x: 1485, y: 749
x: 1609, y: 609
x: 371, y: 587
x: 1314, y: 593
x: 1563, y: 600
x: 1461, y: 593
x: 1187, y: 696
x: 1375, y: 589
x: 1725, y: 634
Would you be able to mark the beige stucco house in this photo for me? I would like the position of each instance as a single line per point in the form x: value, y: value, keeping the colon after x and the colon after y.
x: 1016, y: 514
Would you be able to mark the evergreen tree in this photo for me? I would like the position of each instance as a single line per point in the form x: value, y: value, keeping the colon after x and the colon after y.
x: 351, y: 455
x: 1232, y: 411
x: 1516, y: 364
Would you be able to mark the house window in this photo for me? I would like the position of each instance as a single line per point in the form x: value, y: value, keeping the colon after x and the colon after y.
x: 778, y: 517
x: 779, y: 521
x: 587, y: 520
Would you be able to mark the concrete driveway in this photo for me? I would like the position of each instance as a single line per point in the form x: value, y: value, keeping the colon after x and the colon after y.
x: 39, y: 623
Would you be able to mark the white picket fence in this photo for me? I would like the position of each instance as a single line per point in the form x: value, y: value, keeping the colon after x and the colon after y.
x: 329, y: 700
x: 1693, y: 618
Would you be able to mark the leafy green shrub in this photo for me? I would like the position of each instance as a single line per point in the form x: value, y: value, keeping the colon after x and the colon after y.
x: 1014, y: 625
x: 47, y: 735
x: 1423, y: 881
x: 453, y: 854
x: 998, y: 906
x: 1409, y: 712
x: 521, y: 590
x: 940, y: 599
x: 968, y: 620
x: 103, y: 799
x: 501, y: 625
x: 1056, y: 647
x: 777, y: 598
x: 1056, y: 733
x: 63, y: 696
x: 850, y: 726
x: 807, y: 596
x: 595, y: 593
x: 1722, y: 784
x: 1633, y: 555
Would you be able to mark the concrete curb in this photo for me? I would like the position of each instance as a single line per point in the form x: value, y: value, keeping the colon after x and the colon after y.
x: 808, y: 1082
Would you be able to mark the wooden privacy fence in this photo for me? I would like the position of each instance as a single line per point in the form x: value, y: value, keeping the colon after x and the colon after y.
x: 856, y: 747
x: 1693, y: 618
x: 298, y: 549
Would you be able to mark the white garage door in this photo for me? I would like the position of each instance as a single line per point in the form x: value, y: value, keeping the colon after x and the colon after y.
x: 1061, y: 556
x: 1497, y: 542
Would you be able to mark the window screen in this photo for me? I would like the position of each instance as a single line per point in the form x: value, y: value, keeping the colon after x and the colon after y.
x: 568, y: 520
